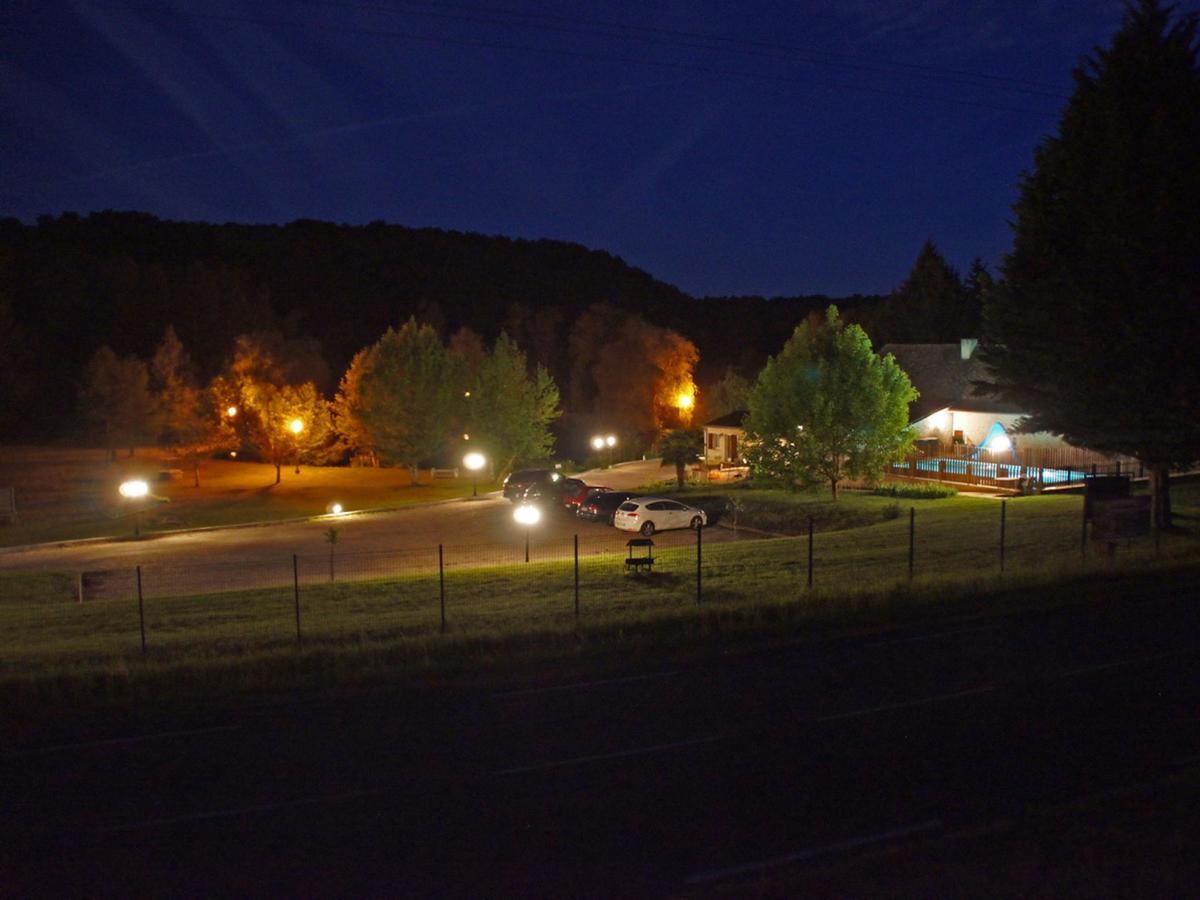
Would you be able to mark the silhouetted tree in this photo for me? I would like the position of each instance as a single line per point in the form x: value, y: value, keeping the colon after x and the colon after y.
x: 680, y: 448
x: 116, y: 396
x: 1096, y: 332
x: 929, y: 307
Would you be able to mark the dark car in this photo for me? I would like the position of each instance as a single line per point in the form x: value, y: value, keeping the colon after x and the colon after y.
x: 544, y: 494
x: 520, y: 481
x: 575, y: 491
x: 601, y: 507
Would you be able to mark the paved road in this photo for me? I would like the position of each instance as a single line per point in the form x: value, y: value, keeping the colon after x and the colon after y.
x: 475, y: 532
x: 668, y: 780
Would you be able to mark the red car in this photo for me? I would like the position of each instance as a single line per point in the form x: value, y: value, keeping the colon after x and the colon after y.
x: 573, y: 498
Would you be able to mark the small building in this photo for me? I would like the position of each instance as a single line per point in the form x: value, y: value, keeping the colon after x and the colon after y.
x: 725, y: 440
x: 952, y: 410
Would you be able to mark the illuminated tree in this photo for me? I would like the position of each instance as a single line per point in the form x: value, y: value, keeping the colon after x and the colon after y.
x: 347, y: 409
x: 827, y: 408
x: 268, y: 403
x: 190, y: 423
x: 630, y: 373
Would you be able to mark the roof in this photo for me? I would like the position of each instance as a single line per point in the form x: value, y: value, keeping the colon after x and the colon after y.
x: 944, y: 379
x: 735, y: 419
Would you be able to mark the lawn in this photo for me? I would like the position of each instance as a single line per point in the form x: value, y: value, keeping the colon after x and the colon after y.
x: 55, y: 653
x: 65, y: 494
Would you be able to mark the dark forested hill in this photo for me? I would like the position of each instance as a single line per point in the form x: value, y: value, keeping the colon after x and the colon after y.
x: 70, y: 284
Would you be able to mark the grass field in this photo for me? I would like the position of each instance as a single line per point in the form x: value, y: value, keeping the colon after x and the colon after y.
x: 66, y: 494
x: 55, y: 653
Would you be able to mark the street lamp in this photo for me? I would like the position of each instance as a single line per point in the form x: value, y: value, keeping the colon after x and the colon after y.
x: 528, y: 515
x: 474, y: 462
x: 599, y: 442
x: 297, y: 426
x: 135, y: 490
x: 231, y: 411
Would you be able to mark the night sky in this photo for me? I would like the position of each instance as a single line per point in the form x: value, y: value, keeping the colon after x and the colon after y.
x: 727, y: 148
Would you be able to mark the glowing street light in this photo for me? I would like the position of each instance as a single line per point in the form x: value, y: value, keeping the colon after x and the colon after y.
x: 528, y: 515
x: 599, y: 442
x: 474, y: 461
x: 135, y: 490
x: 232, y: 412
x: 296, y: 426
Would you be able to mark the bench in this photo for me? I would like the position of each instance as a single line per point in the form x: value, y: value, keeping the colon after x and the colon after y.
x: 444, y: 473
x: 644, y: 547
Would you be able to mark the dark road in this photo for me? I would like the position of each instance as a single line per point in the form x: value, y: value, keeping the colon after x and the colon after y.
x: 707, y: 776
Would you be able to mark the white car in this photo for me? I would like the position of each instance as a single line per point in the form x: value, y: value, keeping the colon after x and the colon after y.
x: 651, y: 514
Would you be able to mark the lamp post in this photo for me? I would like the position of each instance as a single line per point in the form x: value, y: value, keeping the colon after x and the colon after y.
x: 296, y: 426
x: 474, y: 462
x: 528, y: 515
x: 599, y: 442
x: 135, y: 490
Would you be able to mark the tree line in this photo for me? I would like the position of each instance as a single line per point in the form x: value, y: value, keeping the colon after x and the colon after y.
x: 407, y: 399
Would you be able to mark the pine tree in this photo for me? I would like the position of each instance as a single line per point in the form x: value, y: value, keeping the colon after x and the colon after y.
x: 1095, y: 331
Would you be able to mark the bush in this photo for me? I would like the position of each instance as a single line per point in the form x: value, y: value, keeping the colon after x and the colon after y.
x: 891, y: 511
x: 914, y: 491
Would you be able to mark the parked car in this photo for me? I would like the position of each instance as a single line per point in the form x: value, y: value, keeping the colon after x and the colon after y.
x: 600, y: 507
x: 651, y: 514
x: 575, y: 492
x: 544, y: 494
x: 518, y: 482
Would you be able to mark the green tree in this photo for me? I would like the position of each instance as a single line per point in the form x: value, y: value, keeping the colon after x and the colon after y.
x: 116, y: 396
x: 680, y: 448
x: 725, y: 396
x: 1096, y: 332
x: 411, y: 393
x: 511, y: 409
x: 827, y: 408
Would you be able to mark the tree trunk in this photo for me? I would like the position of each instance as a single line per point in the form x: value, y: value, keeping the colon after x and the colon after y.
x: 1160, y: 497
x: 196, y: 472
x: 679, y: 475
x: 277, y: 464
x: 414, y: 476
x: 833, y: 483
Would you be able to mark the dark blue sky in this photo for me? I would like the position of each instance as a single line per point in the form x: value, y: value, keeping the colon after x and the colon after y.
x: 727, y: 148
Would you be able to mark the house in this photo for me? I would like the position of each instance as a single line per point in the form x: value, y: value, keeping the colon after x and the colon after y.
x: 724, y: 439
x: 951, y: 409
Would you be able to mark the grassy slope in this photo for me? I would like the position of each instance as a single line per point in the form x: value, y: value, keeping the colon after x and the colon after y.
x: 510, y: 617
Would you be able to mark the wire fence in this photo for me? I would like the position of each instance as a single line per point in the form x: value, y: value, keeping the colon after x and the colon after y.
x: 337, y: 597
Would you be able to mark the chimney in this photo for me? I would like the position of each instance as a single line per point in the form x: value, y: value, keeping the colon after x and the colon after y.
x: 967, y: 346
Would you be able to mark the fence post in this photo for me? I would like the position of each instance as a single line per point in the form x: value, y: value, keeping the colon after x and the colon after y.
x: 810, y: 552
x: 442, y: 585
x: 576, y: 577
x: 141, y: 610
x: 1003, y: 503
x: 1083, y: 532
x: 296, y: 596
x: 912, y: 535
x: 699, y: 542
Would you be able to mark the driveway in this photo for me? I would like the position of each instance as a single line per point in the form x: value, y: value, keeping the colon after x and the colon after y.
x: 473, y: 532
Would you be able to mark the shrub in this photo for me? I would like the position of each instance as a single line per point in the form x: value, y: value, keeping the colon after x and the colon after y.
x: 914, y: 491
x: 891, y: 511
